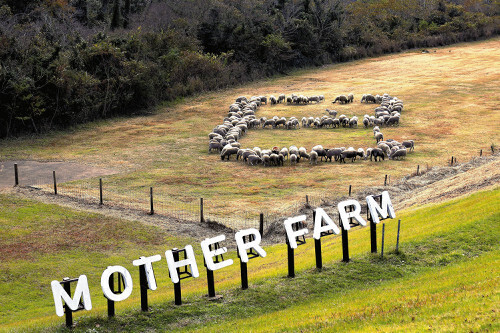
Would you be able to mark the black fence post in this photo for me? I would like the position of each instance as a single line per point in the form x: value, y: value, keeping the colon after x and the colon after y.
x: 418, y: 170
x: 16, y: 175
x: 307, y: 200
x: 481, y: 153
x: 55, y: 182
x: 100, y: 191
x: 373, y: 236
x: 244, y: 275
x: 350, y: 187
x: 143, y: 281
x: 151, y: 210
x: 291, y: 261
x: 67, y: 310
x: 317, y: 248
x: 385, y: 180
x: 210, y: 283
x: 177, y: 286
x: 383, y: 235
x: 111, y: 304
x: 345, y: 243
x: 397, y: 240
x: 261, y: 224
x: 202, y: 217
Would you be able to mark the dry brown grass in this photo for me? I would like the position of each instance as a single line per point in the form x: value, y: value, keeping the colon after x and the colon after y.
x: 451, y: 101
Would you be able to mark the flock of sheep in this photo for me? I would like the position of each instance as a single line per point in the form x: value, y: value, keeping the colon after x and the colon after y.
x: 241, y: 117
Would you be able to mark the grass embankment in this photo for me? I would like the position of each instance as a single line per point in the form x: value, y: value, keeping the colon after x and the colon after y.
x: 451, y: 101
x: 443, y: 246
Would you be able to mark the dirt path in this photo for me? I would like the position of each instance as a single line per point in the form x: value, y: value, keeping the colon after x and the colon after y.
x: 34, y: 172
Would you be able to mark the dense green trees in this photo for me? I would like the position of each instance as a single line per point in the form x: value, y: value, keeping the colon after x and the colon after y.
x: 64, y: 62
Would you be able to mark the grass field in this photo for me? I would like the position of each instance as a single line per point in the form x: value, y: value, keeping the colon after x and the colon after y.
x: 449, y: 256
x: 451, y: 98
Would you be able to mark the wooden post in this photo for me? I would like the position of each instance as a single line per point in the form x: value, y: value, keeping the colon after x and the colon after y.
x: 291, y: 261
x: 111, y: 304
x: 244, y: 275
x: 383, y: 235
x: 202, y: 217
x: 385, y: 180
x: 16, y: 175
x: 55, y: 182
x: 418, y: 170
x: 345, y: 244
x: 397, y: 239
x: 100, y: 191
x: 143, y: 281
x: 151, y: 211
x: 67, y: 310
x: 481, y: 153
x: 177, y: 286
x: 307, y: 200
x: 350, y: 187
x: 261, y: 224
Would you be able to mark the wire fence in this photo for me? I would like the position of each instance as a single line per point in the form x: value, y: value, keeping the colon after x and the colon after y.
x: 144, y: 200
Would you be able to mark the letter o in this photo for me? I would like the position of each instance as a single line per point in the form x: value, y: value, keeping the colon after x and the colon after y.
x: 127, y: 281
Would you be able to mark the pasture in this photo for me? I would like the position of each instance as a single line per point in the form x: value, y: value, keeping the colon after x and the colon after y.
x: 451, y: 109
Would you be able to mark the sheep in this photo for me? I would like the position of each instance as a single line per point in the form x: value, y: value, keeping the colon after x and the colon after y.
x: 293, y: 159
x: 313, y: 99
x: 393, y: 120
x: 332, y: 113
x: 228, y: 151
x: 350, y: 98
x: 385, y: 147
x: 241, y: 98
x: 289, y: 100
x: 366, y: 122
x: 214, y: 145
x: 269, y: 122
x: 327, y: 122
x: 336, y: 123
x: 360, y: 152
x: 368, y: 98
x: 273, y: 100
x: 274, y: 159
x: 278, y: 122
x: 246, y: 154
x: 310, y: 121
x: 409, y: 144
x: 400, y: 153
x: 379, y: 136
x: 303, y: 153
x: 353, y: 122
x: 281, y: 98
x: 293, y: 150
x: 349, y: 153
x: 284, y: 152
x: 368, y: 153
x: 313, y: 157
x: 263, y: 99
x: 342, y: 99
x: 304, y: 122
x: 376, y: 129
x: 257, y: 151
x: 320, y: 151
x: 266, y: 160
x: 254, y: 160
x: 377, y: 153
x: 335, y: 153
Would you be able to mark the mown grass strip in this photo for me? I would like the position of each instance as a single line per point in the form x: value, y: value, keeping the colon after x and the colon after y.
x: 436, y: 250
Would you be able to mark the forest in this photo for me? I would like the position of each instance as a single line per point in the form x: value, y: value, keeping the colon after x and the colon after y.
x: 66, y: 62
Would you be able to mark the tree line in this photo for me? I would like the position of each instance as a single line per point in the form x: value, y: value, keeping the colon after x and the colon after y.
x: 64, y: 62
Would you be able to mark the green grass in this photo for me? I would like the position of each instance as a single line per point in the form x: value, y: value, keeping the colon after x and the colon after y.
x: 443, y: 246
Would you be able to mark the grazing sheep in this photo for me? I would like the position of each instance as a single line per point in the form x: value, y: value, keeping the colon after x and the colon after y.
x: 342, y: 99
x: 278, y: 122
x: 366, y: 122
x: 332, y: 113
x: 377, y: 153
x: 254, y: 160
x: 398, y: 154
x: 335, y: 153
x: 320, y: 151
x: 350, y: 98
x: 293, y: 150
x: 336, y: 123
x: 228, y: 151
x: 379, y: 136
x: 246, y: 154
x: 376, y: 129
x: 313, y: 157
x: 289, y: 100
x: 393, y: 120
x: 241, y: 98
x: 284, y: 152
x: 409, y: 144
x: 281, y: 98
x: 293, y: 159
x: 303, y: 153
x: 361, y: 153
x: 263, y: 99
x: 266, y: 160
x: 353, y: 122
x: 269, y: 122
x: 368, y: 153
x: 214, y: 145
x: 385, y: 147
x: 304, y: 122
x: 273, y: 100
x: 349, y: 153
x: 368, y: 98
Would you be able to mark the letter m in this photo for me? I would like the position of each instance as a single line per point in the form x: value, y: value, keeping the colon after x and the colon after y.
x: 376, y: 210
x: 81, y: 292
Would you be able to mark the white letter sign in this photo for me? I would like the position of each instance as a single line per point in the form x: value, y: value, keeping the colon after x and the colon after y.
x: 148, y: 267
x: 209, y: 254
x: 384, y: 211
x: 127, y: 283
x: 290, y: 233
x: 81, y: 292
x: 330, y: 225
x: 243, y: 247
x: 173, y: 265
x: 344, y: 216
